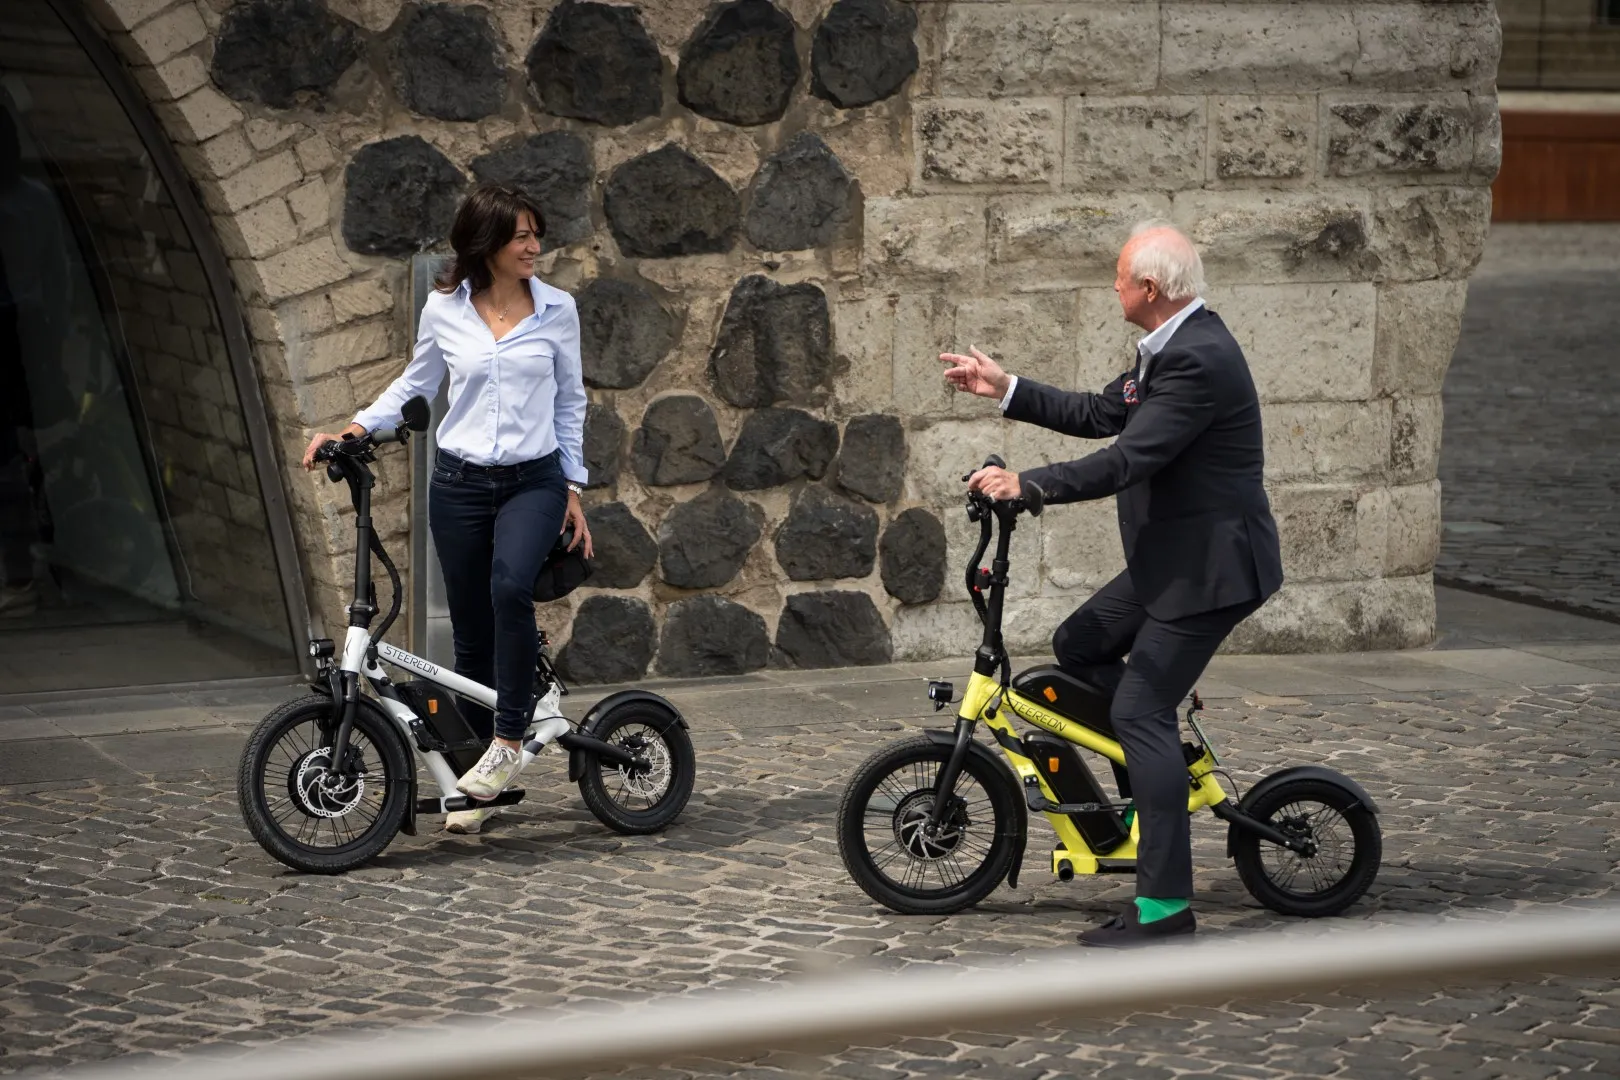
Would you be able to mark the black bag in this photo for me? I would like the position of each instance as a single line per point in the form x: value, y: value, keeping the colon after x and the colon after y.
x: 563, y: 571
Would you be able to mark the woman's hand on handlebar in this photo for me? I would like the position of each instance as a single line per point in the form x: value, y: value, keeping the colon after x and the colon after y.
x: 575, y: 516
x: 322, y: 439
x: 998, y: 484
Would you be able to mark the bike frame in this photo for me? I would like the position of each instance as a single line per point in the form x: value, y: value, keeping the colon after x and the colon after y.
x: 989, y: 693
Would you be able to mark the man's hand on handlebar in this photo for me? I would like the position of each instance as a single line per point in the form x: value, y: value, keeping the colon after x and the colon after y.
x: 322, y: 439
x: 997, y: 483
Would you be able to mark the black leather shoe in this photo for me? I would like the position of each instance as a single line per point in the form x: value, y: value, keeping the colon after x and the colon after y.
x: 1126, y: 932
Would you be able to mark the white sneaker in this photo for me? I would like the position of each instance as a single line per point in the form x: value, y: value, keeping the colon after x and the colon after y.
x: 467, y: 822
x: 494, y: 772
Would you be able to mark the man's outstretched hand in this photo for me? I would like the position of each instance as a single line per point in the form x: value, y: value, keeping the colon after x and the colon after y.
x: 975, y: 374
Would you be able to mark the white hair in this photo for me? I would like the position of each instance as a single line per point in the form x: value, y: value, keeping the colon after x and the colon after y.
x: 1164, y: 254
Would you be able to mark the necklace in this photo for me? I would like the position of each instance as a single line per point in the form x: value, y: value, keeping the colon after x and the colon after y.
x: 489, y: 299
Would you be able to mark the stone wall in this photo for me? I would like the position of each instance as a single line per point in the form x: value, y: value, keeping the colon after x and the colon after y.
x: 775, y: 215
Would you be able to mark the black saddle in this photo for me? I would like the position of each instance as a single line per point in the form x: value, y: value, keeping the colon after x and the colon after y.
x: 1075, y: 699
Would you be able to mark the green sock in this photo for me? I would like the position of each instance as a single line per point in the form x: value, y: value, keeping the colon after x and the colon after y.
x: 1149, y: 910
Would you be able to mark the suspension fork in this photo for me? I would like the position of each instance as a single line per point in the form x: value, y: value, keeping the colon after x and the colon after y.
x: 945, y: 783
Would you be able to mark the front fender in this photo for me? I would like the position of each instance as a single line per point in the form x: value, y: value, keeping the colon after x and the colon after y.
x: 577, y: 759
x: 1020, y: 823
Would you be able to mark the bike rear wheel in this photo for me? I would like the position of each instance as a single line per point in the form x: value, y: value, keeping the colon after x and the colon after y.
x: 636, y: 802
x: 1348, y: 848
x: 884, y: 844
x: 302, y: 814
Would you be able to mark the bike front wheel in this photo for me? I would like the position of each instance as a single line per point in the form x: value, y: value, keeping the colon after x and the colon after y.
x: 884, y: 842
x: 304, y: 813
x: 1346, y: 848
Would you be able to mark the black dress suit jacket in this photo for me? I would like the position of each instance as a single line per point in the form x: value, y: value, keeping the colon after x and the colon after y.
x: 1187, y: 467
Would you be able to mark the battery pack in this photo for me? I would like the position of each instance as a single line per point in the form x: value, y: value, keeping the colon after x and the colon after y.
x: 1066, y: 774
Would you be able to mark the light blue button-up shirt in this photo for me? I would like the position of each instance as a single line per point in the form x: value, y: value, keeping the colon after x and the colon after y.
x: 511, y: 400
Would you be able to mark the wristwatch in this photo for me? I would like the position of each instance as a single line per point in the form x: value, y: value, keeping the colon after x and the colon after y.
x: 577, y: 489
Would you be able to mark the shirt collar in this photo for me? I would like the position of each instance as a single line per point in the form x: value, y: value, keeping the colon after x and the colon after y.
x: 1154, y: 343
x: 544, y: 295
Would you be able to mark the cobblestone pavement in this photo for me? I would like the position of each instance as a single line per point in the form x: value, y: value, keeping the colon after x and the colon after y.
x: 1530, y: 461
x: 137, y: 916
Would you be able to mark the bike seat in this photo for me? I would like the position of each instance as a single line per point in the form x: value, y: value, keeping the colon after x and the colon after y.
x: 1075, y: 699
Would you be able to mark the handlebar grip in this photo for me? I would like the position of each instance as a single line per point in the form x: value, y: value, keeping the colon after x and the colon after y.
x: 1034, y: 498
x: 994, y: 462
x: 388, y: 435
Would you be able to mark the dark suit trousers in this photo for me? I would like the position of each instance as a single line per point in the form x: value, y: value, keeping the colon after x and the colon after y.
x: 1166, y: 659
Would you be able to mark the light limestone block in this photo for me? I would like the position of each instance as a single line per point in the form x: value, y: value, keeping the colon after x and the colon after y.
x: 1307, y: 342
x: 1430, y: 232
x: 1063, y: 240
x: 1003, y: 143
x: 863, y: 332
x: 1072, y: 48
x: 1257, y: 47
x: 1341, y: 616
x: 1317, y: 527
x: 1327, y: 439
x: 1262, y: 138
x: 1414, y: 451
x: 1487, y: 138
x: 301, y: 269
x: 1427, y: 46
x: 923, y: 328
x: 942, y: 452
x: 1126, y: 144
x: 175, y: 31
x: 1080, y: 545
x: 1031, y: 334
x: 1429, y: 136
x: 173, y: 79
x: 311, y: 205
x: 261, y: 180
x: 938, y: 239
x: 315, y: 357
x: 1265, y: 236
x: 200, y: 115
x: 259, y: 231
x: 1418, y: 326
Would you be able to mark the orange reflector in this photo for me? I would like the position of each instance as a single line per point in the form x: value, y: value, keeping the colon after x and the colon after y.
x: 1051, y: 764
x: 433, y: 706
x: 1050, y: 694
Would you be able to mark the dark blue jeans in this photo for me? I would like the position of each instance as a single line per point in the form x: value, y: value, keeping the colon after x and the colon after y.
x: 494, y: 525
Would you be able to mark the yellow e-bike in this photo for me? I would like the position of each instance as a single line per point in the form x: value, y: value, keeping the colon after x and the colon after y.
x: 933, y: 823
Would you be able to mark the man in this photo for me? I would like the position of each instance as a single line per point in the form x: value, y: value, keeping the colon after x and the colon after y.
x: 1200, y: 544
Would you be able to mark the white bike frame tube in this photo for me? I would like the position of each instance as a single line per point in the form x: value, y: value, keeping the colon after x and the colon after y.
x: 433, y: 673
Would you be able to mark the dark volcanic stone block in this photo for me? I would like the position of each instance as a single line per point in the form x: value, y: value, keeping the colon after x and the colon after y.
x: 741, y: 65
x: 912, y: 557
x: 800, y: 197
x: 678, y: 442
x: 604, y: 444
x: 704, y: 542
x: 775, y: 344
x: 709, y: 635
x: 666, y: 203
x: 273, y: 51
x: 863, y: 52
x: 553, y: 169
x: 596, y: 62
x: 778, y: 445
x: 448, y: 62
x: 873, y: 462
x: 624, y: 333
x: 832, y: 629
x: 612, y: 641
x: 827, y: 536
x: 625, y: 552
x: 400, y: 196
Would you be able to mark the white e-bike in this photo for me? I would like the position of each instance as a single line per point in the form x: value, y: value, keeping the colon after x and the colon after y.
x: 327, y: 780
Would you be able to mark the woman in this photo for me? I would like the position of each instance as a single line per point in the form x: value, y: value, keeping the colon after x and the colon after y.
x: 510, y: 464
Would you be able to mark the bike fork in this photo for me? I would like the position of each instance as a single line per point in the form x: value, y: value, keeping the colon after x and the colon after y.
x: 946, y: 781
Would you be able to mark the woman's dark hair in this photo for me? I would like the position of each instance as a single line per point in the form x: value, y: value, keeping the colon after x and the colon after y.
x: 485, y: 223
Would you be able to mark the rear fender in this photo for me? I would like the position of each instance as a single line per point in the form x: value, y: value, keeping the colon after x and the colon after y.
x: 579, y: 759
x: 1357, y: 794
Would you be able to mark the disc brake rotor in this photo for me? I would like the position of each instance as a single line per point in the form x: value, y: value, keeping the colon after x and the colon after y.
x: 911, y: 821
x: 651, y: 782
x: 318, y: 791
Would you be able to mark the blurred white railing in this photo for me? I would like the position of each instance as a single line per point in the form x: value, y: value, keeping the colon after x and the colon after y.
x: 826, y: 1013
